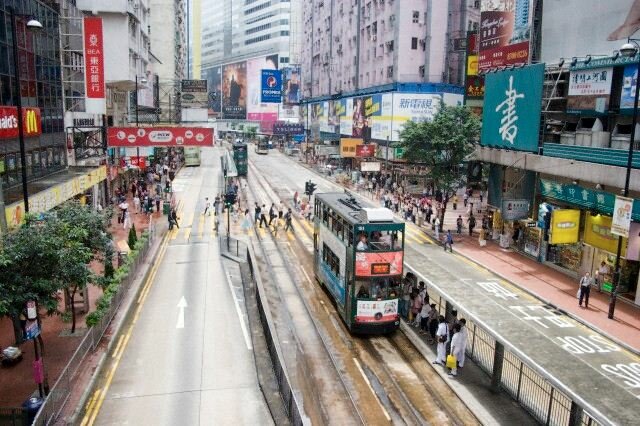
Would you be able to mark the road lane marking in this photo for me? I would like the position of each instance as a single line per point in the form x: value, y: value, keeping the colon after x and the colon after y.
x: 201, y: 226
x: 118, y: 346
x: 366, y: 380
x: 90, y: 416
x: 181, y: 305
x: 243, y: 326
x: 412, y: 239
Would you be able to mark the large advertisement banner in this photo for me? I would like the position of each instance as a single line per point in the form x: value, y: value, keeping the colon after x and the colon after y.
x: 597, y: 233
x: 371, y: 264
x: 94, y: 66
x: 582, y: 27
x: 214, y: 84
x: 291, y: 85
x: 565, y: 226
x: 590, y: 90
x: 348, y: 147
x: 234, y: 91
x: 417, y: 107
x: 256, y: 109
x: 31, y: 122
x: 505, y: 27
x: 377, y: 310
x: 346, y: 111
x: 271, y: 90
x: 511, y: 114
x: 323, y: 118
x: 159, y: 136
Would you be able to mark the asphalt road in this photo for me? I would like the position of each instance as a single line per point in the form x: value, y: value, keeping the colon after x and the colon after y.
x: 185, y: 357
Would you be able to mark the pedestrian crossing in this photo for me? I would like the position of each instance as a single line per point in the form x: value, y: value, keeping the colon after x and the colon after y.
x: 416, y: 236
x: 194, y: 226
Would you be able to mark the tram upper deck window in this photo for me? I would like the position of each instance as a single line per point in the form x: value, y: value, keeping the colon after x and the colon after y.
x: 375, y: 288
x: 382, y: 240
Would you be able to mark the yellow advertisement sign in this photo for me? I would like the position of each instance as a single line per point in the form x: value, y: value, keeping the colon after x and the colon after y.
x: 565, y: 226
x: 472, y: 65
x: 54, y: 196
x: 348, y: 147
x: 597, y: 233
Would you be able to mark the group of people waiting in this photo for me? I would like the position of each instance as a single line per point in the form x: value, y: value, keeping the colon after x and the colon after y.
x: 450, y: 336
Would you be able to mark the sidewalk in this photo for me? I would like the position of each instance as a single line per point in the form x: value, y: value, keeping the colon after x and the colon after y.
x: 16, y: 382
x: 541, y: 281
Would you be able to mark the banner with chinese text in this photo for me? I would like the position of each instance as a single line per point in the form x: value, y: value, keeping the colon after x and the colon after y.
x: 94, y: 66
x: 590, y: 90
x: 511, y: 115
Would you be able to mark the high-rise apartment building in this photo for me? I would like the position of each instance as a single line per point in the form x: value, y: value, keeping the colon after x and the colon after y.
x: 464, y: 17
x: 168, y: 37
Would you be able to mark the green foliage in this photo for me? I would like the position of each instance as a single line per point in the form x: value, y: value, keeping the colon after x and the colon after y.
x: 133, y: 237
x: 442, y: 144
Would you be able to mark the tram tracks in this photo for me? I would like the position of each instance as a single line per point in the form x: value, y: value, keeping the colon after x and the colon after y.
x: 404, y: 383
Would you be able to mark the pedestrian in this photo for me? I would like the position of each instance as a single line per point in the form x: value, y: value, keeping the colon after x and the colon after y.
x: 246, y: 222
x: 174, y: 218
x: 442, y: 337
x: 464, y: 340
x: 281, y: 209
x: 602, y: 274
x: 127, y: 220
x: 424, y: 318
x: 448, y: 241
x: 585, y: 289
x: 436, y: 222
x: 263, y: 217
x: 472, y: 223
x: 287, y: 221
x: 432, y: 323
x: 256, y: 213
x: 459, y: 224
x: 136, y: 203
x: 272, y: 213
x: 216, y: 204
x: 158, y: 199
x: 465, y: 198
x: 170, y: 219
x: 455, y: 202
x: 207, y: 206
x: 457, y: 348
x: 406, y: 298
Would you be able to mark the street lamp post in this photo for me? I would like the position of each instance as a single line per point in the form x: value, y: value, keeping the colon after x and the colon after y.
x: 629, y: 49
x: 33, y: 25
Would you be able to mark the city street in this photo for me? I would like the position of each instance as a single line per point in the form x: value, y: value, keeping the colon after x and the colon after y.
x: 184, y: 356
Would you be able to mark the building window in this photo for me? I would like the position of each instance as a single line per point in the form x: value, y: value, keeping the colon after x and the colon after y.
x: 390, y: 71
x: 416, y: 17
x: 414, y: 43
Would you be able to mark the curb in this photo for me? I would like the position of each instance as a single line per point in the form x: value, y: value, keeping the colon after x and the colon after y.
x: 125, y: 310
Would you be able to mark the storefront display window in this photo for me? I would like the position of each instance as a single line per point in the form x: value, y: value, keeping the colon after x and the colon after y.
x: 567, y: 256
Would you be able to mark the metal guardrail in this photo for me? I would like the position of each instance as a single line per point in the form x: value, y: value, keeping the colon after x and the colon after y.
x: 545, y: 402
x: 61, y: 390
x: 291, y: 404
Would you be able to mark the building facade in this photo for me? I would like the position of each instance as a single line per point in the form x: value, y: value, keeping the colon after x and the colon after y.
x: 168, y: 35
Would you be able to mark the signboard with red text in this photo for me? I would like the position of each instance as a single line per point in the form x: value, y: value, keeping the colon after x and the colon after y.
x: 94, y: 66
x: 31, y: 122
x: 159, y: 136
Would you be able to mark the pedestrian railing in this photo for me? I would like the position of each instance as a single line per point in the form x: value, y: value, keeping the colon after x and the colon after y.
x: 10, y: 416
x: 291, y: 404
x: 544, y: 401
x: 61, y: 390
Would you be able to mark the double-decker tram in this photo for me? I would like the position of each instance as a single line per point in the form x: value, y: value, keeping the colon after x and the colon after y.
x: 358, y: 257
x: 262, y: 147
x: 240, y: 157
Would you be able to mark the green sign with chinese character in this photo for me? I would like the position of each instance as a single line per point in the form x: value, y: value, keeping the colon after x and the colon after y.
x: 601, y: 202
x: 511, y: 113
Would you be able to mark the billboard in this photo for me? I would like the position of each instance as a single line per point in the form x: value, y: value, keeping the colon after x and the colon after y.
x: 418, y: 107
x: 234, y: 91
x: 511, y: 114
x: 323, y: 118
x: 377, y: 310
x: 256, y: 109
x: 194, y: 93
x: 159, y: 136
x: 31, y: 122
x: 515, y: 209
x: 344, y: 116
x: 348, y: 147
x: 94, y: 65
x: 271, y: 88
x: 214, y: 84
x: 580, y: 35
x: 474, y: 83
x: 333, y: 119
x: 505, y: 28
x: 590, y: 90
x: 628, y: 92
x: 370, y: 166
x: 368, y: 150
x: 378, y: 264
x: 291, y: 85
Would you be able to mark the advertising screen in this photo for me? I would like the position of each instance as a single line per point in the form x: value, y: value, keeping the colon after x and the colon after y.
x: 371, y: 264
x: 377, y: 310
x: 159, y: 136
x: 234, y: 91
x: 505, y: 28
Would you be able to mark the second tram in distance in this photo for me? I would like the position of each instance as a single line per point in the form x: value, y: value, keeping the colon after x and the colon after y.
x: 358, y: 257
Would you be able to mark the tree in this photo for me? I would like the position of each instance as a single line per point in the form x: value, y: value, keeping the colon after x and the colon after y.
x: 133, y: 237
x: 442, y: 145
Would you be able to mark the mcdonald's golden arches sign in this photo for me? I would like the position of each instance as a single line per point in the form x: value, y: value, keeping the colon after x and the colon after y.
x: 31, y: 122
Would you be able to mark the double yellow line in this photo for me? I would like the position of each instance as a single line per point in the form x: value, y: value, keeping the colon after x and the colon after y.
x: 97, y: 399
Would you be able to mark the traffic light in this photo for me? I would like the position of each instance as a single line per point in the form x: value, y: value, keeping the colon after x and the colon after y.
x: 309, y: 188
x: 230, y: 198
x: 306, y: 187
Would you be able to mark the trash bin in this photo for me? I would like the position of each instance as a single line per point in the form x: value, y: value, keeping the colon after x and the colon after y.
x: 166, y: 208
x: 32, y: 405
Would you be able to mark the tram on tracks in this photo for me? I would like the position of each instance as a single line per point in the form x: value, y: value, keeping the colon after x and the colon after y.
x: 358, y: 258
x: 240, y: 157
x: 262, y: 147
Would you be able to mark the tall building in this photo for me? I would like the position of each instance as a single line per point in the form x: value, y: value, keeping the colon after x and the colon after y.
x: 168, y: 35
x: 464, y: 16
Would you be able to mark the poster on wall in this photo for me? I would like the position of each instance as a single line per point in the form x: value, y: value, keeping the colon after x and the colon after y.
x: 271, y: 89
x: 214, y: 84
x: 256, y: 109
x: 323, y: 118
x: 589, y: 90
x: 333, y: 118
x: 579, y: 36
x: 346, y: 122
x: 291, y: 85
x: 505, y: 28
x: 234, y: 91
x: 511, y: 113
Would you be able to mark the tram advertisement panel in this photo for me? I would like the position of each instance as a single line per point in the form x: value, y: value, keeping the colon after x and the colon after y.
x: 378, y: 264
x: 377, y: 310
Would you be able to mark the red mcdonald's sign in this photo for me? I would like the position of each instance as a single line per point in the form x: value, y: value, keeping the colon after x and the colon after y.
x: 31, y: 122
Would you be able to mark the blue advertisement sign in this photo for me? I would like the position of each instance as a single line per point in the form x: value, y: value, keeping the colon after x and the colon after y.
x: 271, y: 88
x: 628, y: 92
x: 511, y: 114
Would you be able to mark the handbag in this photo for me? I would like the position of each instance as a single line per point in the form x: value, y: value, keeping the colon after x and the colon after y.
x: 452, y: 362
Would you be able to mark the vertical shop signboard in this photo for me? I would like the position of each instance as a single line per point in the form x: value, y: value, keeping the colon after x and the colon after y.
x: 94, y: 65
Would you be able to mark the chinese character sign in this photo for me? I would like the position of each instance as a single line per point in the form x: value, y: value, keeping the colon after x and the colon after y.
x: 94, y: 65
x: 589, y: 90
x: 511, y: 115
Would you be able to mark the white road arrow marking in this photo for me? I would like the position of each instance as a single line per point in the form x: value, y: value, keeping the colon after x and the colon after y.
x: 181, y: 305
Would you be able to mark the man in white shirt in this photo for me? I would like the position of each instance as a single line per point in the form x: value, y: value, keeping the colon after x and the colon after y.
x: 442, y: 337
x: 457, y: 347
x: 464, y: 339
x: 585, y: 289
x: 602, y: 274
